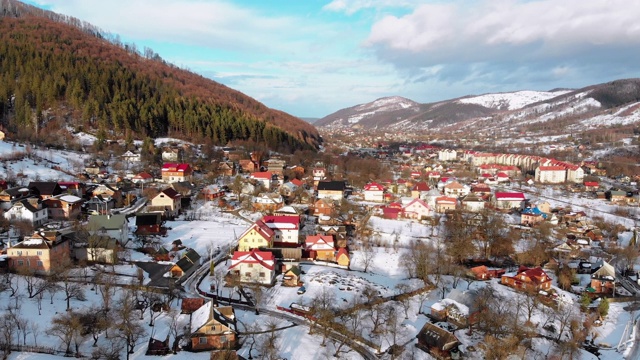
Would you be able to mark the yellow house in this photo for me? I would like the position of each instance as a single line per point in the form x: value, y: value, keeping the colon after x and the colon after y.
x: 258, y: 235
x: 168, y: 200
x: 342, y: 257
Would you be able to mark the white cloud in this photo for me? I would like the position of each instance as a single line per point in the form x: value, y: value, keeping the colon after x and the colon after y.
x: 209, y: 23
x: 492, y: 29
x: 352, y: 6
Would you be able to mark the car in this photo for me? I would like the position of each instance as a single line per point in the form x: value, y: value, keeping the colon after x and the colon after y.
x: 301, y: 290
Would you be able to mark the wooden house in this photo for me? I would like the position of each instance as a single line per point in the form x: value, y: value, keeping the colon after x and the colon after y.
x: 320, y: 247
x: 150, y: 224
x: 342, y: 257
x: 484, y: 273
x: 603, y: 279
x: 291, y: 277
x: 213, y: 328
x: 437, y: 341
x: 534, y: 279
x: 186, y: 265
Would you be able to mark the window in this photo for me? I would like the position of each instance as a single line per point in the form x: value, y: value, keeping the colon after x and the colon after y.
x: 250, y: 265
x: 39, y: 263
x: 247, y: 274
x: 39, y: 253
x: 202, y: 340
x: 20, y: 262
x: 19, y: 253
x: 262, y: 274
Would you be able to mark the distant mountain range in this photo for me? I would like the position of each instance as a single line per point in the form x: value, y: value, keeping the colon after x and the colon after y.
x: 57, y: 72
x: 613, y: 103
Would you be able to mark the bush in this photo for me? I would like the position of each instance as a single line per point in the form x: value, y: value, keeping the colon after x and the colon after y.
x: 603, y: 307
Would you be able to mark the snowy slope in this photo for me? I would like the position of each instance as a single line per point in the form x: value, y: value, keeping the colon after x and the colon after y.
x: 513, y: 100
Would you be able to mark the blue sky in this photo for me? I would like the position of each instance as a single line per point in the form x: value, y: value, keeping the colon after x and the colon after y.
x: 311, y: 57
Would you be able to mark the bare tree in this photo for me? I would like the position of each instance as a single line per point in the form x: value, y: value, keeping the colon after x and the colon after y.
x: 7, y: 330
x: 403, y: 299
x: 63, y: 274
x: 268, y: 346
x: 323, y: 312
x: 368, y: 255
x: 64, y: 326
x: 127, y: 327
x: 34, y: 329
x: 35, y: 285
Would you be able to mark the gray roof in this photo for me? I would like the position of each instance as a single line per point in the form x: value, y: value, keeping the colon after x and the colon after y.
x: 108, y: 222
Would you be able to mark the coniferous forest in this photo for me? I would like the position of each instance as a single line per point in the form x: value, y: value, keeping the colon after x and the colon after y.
x: 57, y: 71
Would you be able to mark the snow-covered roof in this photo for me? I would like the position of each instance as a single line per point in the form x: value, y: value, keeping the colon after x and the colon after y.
x: 201, y: 316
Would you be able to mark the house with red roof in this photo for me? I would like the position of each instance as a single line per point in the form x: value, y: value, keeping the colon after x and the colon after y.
x: 419, y: 189
x: 534, y: 279
x: 257, y: 235
x: 320, y: 247
x: 508, y: 200
x: 502, y: 177
x: 416, y: 209
x: 446, y: 203
x: 342, y: 257
x: 253, y: 266
x: 263, y: 177
x: 591, y: 185
x: 168, y: 201
x: 286, y: 229
x: 143, y: 177
x: 176, y: 172
x: 374, y: 192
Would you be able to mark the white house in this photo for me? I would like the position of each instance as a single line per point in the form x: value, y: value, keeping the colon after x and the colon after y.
x: 473, y: 203
x: 374, y: 192
x: 263, y: 177
x: 253, y: 266
x: 285, y: 227
x: 416, y: 209
x: 551, y: 174
x: 508, y: 200
x: 130, y: 157
x: 25, y: 210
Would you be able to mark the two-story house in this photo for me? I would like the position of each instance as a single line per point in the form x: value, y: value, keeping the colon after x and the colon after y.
x: 175, y: 172
x: 256, y: 236
x: 253, y: 267
x: 168, y: 201
x: 64, y: 207
x: 30, y: 210
x: 286, y: 229
x: 42, y: 252
x: 374, y: 192
x: 213, y: 328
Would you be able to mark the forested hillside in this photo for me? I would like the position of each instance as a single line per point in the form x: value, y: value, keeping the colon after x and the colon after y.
x: 57, y: 71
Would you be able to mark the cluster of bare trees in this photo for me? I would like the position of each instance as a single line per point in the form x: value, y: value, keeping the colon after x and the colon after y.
x: 508, y: 326
x: 115, y: 323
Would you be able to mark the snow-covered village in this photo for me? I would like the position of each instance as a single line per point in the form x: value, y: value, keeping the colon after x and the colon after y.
x: 447, y: 254
x: 319, y: 180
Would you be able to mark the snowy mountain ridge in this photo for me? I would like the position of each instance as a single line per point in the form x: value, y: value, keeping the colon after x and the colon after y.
x: 512, y: 100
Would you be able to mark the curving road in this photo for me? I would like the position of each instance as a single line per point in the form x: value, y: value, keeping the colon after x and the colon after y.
x: 190, y: 288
